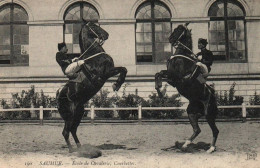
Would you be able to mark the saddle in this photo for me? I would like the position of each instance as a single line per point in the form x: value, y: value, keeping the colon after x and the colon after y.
x: 83, y: 77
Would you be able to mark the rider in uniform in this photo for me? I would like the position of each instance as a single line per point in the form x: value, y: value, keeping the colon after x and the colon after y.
x: 205, y: 58
x: 69, y: 66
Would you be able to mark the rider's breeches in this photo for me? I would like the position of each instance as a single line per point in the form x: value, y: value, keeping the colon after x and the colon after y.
x: 73, y: 68
x: 203, y: 69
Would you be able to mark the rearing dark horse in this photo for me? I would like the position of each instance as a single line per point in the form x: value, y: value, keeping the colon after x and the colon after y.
x: 98, y: 67
x: 182, y: 73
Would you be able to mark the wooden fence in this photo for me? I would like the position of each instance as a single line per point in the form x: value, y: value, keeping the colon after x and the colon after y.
x: 92, y: 110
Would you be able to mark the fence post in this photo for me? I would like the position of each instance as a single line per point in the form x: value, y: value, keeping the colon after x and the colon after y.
x: 92, y: 114
x: 243, y: 112
x: 139, y: 113
x: 41, y: 115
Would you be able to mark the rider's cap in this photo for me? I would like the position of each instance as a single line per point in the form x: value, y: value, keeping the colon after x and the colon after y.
x: 203, y: 41
x: 61, y: 45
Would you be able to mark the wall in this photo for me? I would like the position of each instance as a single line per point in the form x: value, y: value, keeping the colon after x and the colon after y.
x: 117, y: 17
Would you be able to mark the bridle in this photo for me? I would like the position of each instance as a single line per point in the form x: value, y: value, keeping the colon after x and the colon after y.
x: 180, y: 43
x: 100, y: 41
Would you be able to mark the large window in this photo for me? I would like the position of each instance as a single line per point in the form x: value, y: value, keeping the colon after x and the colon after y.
x: 153, y: 27
x: 73, y: 20
x: 227, y: 31
x: 14, y: 36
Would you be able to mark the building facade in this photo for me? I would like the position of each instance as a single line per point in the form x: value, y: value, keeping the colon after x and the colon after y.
x: 138, y: 40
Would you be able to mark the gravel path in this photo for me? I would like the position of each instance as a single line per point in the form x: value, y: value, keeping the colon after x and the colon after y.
x: 130, y: 145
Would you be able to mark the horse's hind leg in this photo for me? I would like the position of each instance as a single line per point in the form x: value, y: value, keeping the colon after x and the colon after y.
x: 193, y: 118
x: 74, y: 133
x: 215, y: 132
x: 66, y: 133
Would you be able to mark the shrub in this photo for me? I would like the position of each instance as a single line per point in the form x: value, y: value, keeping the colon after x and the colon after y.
x: 101, y: 99
x: 130, y: 100
x: 28, y: 99
x: 229, y: 98
x: 166, y: 101
x: 254, y: 100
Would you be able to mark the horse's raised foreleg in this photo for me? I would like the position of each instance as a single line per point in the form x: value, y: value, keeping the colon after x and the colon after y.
x: 193, y: 118
x: 158, y: 81
x: 122, y: 71
x: 215, y: 132
x: 66, y: 133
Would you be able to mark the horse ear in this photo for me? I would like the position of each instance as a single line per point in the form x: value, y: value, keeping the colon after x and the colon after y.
x: 186, y: 24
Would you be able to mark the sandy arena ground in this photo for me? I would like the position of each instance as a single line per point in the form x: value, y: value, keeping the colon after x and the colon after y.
x: 130, y: 145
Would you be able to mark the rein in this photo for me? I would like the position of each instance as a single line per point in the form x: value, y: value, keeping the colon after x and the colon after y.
x: 100, y: 43
x: 88, y: 48
x: 92, y: 56
x: 179, y: 43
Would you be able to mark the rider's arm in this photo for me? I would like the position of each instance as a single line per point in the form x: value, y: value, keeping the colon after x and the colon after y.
x: 62, y: 59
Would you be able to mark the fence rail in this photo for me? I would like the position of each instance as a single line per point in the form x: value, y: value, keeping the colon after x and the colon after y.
x: 92, y: 110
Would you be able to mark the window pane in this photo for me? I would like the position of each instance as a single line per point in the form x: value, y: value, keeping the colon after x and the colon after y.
x: 144, y: 11
x: 16, y: 39
x: 68, y: 38
x: 158, y: 37
x: 69, y: 46
x: 139, y: 27
x: 148, y: 48
x: 68, y: 28
x: 20, y: 14
x: 139, y: 37
x: 158, y: 27
x: 89, y: 12
x: 6, y: 40
x: 139, y: 48
x: 147, y: 27
x: 5, y: 14
x: 144, y: 58
x: 217, y: 9
x: 232, y: 45
x: 160, y: 11
x: 234, y: 10
x: 240, y: 45
x: 147, y: 37
x: 73, y: 13
x: 76, y: 48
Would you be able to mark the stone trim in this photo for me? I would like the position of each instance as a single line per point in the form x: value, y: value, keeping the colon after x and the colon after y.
x: 46, y: 23
x: 191, y: 19
x: 116, y: 21
x: 252, y: 18
x: 128, y: 78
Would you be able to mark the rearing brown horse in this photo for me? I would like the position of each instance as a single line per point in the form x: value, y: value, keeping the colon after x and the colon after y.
x: 98, y: 67
x: 182, y: 73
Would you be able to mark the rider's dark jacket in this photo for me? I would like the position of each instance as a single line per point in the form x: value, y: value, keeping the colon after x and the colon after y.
x: 63, y: 60
x: 207, y: 58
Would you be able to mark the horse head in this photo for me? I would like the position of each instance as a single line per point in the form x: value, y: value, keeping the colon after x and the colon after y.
x: 91, y: 36
x: 181, y: 64
x: 181, y: 34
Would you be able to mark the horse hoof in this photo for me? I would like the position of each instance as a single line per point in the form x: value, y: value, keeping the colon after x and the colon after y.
x: 78, y: 145
x: 211, y: 149
x: 185, y: 145
x: 72, y: 150
x: 115, y: 87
